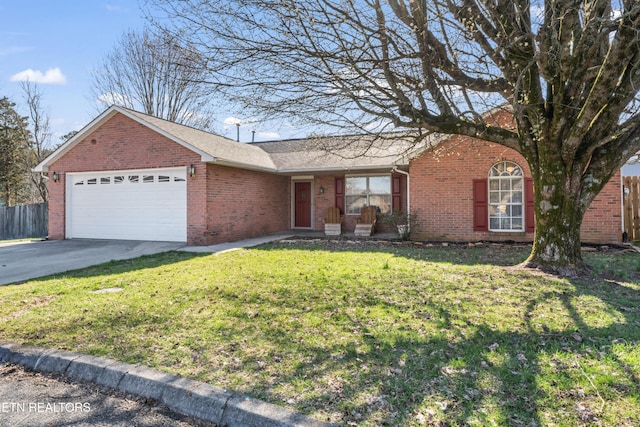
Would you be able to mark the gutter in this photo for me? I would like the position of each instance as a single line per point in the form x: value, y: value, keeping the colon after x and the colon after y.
x: 345, y: 169
x: 396, y: 170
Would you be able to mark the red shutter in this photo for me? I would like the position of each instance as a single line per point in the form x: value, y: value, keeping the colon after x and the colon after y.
x: 340, y: 193
x: 480, y: 205
x: 529, y: 206
x: 396, y: 193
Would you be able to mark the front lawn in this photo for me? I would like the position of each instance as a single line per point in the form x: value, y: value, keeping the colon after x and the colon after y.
x: 362, y: 334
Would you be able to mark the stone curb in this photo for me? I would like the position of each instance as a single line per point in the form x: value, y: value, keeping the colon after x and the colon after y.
x: 184, y: 396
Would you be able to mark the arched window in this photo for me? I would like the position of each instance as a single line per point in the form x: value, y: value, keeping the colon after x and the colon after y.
x: 506, y: 197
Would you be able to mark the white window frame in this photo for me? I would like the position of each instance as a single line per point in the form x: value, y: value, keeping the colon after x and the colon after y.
x: 505, y: 198
x: 367, y: 192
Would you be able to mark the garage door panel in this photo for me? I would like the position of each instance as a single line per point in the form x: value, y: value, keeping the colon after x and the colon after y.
x: 132, y: 205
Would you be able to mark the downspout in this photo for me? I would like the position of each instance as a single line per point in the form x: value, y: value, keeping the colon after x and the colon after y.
x: 396, y: 170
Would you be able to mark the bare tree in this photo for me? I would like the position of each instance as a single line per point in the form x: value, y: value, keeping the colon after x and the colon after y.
x: 568, y: 70
x: 157, y: 74
x: 38, y: 139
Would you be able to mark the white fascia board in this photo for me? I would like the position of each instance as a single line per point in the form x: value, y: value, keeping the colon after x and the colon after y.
x: 341, y: 168
x: 240, y: 165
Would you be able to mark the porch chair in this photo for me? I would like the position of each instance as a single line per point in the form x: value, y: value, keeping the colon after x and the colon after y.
x: 365, y: 225
x: 332, y: 221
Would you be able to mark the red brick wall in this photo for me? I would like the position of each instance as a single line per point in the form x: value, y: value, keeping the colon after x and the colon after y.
x: 225, y: 204
x: 323, y: 201
x: 603, y: 221
x: 442, y: 194
x: 122, y: 143
x: 243, y: 203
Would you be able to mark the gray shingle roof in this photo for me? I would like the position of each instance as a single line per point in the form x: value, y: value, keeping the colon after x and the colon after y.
x: 340, y: 152
x: 223, y: 149
x: 352, y: 152
x: 313, y: 154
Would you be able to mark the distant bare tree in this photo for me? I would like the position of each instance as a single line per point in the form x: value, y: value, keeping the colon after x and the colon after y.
x: 569, y: 71
x: 157, y: 74
x: 38, y: 139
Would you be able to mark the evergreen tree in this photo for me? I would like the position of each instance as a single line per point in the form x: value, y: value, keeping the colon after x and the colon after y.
x: 14, y: 151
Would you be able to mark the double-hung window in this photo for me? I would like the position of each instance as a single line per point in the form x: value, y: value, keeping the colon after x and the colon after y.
x: 372, y: 190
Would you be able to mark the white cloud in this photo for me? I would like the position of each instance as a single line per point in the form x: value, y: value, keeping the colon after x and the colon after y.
x: 269, y: 135
x: 237, y: 121
x: 53, y: 76
x: 379, y: 125
x: 111, y: 7
x: 12, y: 50
x: 232, y: 121
x: 113, y: 98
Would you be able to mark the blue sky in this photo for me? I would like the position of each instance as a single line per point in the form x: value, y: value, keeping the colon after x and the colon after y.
x: 56, y: 44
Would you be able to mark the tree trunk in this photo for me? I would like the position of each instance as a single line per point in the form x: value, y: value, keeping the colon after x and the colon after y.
x: 560, y: 206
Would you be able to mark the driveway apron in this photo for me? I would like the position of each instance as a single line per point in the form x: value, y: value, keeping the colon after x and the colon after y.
x: 28, y: 260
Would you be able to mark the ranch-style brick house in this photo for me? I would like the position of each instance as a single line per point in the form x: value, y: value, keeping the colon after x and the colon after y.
x: 128, y: 175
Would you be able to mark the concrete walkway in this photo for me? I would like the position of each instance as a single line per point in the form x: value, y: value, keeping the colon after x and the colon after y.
x: 231, y: 246
x: 22, y: 261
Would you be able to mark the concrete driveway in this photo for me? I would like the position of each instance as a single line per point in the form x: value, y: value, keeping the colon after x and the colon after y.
x: 28, y: 260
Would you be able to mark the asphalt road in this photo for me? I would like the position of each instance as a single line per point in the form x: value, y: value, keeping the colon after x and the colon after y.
x: 31, y: 399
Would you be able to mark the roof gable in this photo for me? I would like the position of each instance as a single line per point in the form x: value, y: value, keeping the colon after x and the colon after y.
x: 353, y: 152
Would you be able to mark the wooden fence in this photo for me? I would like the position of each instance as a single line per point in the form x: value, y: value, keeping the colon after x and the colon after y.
x: 632, y: 207
x: 24, y: 221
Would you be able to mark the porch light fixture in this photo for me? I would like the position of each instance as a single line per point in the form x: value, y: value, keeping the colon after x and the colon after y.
x: 321, y: 190
x: 56, y: 177
x: 192, y: 171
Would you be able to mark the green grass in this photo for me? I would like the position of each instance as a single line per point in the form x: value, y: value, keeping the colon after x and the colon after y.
x: 19, y: 240
x: 364, y: 334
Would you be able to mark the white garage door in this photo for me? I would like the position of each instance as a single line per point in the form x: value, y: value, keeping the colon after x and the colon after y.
x: 148, y: 204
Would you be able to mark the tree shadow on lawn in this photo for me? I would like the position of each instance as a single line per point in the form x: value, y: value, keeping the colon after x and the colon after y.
x: 502, y: 254
x: 441, y: 366
x: 456, y: 371
x: 117, y: 267
x: 579, y: 374
x: 605, y: 260
x: 572, y: 357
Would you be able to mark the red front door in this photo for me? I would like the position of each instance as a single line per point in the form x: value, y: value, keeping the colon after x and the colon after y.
x: 302, y: 204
